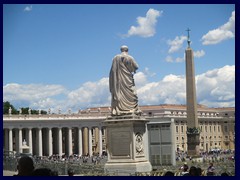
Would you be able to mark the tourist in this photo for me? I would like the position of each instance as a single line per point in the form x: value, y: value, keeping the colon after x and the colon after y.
x: 224, y: 174
x: 169, y: 173
x: 210, y: 170
x: 184, y: 169
x: 199, y: 170
x: 70, y: 172
x: 25, y: 166
x: 193, y: 171
x: 42, y: 172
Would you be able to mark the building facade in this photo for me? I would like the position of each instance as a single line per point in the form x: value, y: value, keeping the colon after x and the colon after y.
x: 84, y: 133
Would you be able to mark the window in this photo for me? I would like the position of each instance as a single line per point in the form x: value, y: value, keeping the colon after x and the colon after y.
x: 177, y: 129
x: 210, y: 128
x: 214, y: 128
x: 205, y: 128
x: 225, y: 129
x: 182, y: 129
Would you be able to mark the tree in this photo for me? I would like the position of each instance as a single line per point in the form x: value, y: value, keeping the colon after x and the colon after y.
x: 6, y: 106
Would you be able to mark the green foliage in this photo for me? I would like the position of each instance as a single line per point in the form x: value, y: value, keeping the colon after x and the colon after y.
x: 7, y: 105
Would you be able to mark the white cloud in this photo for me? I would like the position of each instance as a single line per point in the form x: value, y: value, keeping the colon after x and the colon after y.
x: 90, y: 94
x: 28, y: 8
x: 198, y: 54
x: 33, y: 95
x: 179, y: 59
x: 146, y: 25
x: 224, y: 32
x: 176, y: 44
x: 171, y: 59
x: 215, y: 88
x: 169, y: 90
x: 140, y: 79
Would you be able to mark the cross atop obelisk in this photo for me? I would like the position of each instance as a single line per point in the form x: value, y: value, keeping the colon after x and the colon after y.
x: 188, y: 30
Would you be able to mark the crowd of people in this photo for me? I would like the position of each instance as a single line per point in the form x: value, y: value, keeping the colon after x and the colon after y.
x: 223, y: 155
x: 195, y: 171
x: 29, y: 166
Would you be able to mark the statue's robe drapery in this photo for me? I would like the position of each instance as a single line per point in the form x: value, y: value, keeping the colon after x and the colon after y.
x: 122, y: 86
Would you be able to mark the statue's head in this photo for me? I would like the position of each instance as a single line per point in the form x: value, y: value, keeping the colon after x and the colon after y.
x: 124, y: 48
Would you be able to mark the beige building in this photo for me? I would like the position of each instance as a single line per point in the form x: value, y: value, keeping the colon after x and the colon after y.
x: 85, y: 133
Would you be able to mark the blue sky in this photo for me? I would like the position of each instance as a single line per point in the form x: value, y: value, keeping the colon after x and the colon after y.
x: 59, y: 56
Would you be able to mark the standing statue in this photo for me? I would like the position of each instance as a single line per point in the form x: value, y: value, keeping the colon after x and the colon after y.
x: 122, y: 86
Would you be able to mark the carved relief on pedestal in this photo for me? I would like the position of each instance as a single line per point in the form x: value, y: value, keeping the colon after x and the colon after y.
x: 139, y: 143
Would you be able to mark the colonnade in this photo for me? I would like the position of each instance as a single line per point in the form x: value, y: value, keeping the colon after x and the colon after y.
x: 47, y: 141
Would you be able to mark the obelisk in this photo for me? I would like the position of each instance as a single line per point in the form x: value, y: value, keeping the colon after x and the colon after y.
x: 192, y: 118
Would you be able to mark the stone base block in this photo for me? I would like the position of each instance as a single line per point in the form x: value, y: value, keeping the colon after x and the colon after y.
x: 127, y: 169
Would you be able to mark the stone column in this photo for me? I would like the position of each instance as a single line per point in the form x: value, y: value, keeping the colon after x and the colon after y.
x: 90, y: 141
x: 6, y: 137
x: 20, y: 140
x: 40, y: 142
x: 80, y: 141
x: 85, y: 140
x: 50, y: 145
x: 10, y: 139
x: 60, y: 142
x: 100, y: 140
x: 70, y: 141
x: 173, y: 140
x: 30, y: 140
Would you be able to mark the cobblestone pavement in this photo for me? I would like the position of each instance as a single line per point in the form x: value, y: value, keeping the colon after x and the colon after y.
x: 8, y: 173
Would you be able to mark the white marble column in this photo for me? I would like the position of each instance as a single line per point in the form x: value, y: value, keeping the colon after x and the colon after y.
x: 70, y: 150
x: 50, y: 145
x: 60, y: 142
x: 90, y: 141
x: 40, y: 142
x: 100, y: 140
x: 6, y: 137
x: 10, y: 139
x: 173, y: 140
x: 80, y: 141
x: 30, y: 140
x: 20, y: 140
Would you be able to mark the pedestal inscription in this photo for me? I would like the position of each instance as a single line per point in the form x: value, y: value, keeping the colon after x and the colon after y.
x: 120, y: 143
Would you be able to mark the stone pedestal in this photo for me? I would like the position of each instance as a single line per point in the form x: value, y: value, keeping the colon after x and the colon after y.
x: 127, y: 145
x: 193, y: 145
